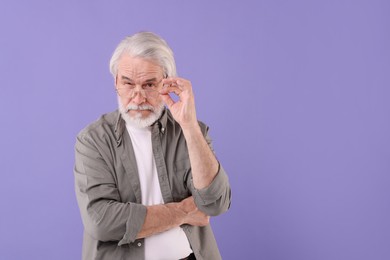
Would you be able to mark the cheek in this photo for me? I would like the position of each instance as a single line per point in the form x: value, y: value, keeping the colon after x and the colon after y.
x: 156, y: 102
x: 124, y: 101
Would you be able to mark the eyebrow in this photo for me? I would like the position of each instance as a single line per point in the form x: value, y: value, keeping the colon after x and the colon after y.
x: 126, y: 78
x: 146, y: 81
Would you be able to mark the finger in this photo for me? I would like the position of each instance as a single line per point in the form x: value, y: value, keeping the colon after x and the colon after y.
x: 171, y: 89
x: 171, y: 79
x: 168, y: 82
x: 190, y: 198
x: 178, y: 82
x: 171, y: 86
x: 178, y: 86
x: 167, y: 100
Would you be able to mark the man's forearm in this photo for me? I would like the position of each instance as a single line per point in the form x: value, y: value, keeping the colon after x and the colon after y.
x: 160, y: 218
x: 204, y: 165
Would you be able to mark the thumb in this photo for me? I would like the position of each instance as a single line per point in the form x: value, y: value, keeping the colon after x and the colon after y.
x: 167, y: 100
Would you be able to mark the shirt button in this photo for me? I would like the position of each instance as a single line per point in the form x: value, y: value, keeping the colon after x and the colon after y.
x: 139, y: 244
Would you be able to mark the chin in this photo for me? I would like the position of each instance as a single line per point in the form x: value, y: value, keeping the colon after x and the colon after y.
x: 145, y: 114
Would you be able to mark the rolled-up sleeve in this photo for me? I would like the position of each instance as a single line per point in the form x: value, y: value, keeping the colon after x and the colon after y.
x: 104, y: 216
x: 215, y: 198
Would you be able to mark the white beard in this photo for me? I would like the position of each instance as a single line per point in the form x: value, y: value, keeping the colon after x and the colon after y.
x: 137, y: 120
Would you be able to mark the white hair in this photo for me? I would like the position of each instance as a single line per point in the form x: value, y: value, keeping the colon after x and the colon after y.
x: 137, y: 120
x: 145, y: 45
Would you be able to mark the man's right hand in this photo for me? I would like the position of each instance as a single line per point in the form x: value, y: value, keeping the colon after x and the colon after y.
x: 193, y: 216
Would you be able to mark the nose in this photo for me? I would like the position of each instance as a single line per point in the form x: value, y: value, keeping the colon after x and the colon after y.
x: 138, y: 97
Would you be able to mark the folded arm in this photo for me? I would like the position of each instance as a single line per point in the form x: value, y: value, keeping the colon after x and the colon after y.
x: 160, y: 218
x: 106, y: 218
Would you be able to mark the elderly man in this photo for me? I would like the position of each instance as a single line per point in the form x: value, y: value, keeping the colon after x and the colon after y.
x: 146, y: 176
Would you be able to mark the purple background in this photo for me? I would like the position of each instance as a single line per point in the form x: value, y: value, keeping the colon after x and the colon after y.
x: 296, y: 94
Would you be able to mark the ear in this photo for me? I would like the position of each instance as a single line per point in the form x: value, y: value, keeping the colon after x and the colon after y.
x: 115, y: 81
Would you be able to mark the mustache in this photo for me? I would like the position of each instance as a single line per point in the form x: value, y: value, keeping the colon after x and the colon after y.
x: 140, y: 107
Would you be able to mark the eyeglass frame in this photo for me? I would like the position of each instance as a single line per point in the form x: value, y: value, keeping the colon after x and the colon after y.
x: 143, y: 92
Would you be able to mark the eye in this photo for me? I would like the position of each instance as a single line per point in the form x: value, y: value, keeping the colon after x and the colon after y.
x: 128, y: 85
x: 149, y: 85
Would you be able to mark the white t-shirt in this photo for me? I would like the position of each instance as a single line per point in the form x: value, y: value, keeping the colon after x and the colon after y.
x: 171, y: 244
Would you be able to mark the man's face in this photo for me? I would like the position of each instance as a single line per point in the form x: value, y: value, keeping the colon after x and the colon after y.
x: 137, y: 82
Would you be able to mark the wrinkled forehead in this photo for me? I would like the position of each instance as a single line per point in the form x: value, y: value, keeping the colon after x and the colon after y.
x: 137, y: 68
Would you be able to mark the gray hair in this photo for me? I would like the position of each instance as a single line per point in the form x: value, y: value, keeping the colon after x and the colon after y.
x: 145, y: 45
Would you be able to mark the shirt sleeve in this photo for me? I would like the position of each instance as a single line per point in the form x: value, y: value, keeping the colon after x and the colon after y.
x: 214, y: 199
x: 104, y: 216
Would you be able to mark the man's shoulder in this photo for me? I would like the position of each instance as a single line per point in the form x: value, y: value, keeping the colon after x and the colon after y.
x: 105, y: 124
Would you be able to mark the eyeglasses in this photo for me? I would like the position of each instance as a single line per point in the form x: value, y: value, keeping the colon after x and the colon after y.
x: 149, y: 90
x: 132, y: 93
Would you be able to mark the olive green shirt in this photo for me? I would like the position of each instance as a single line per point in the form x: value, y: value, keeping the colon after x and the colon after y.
x: 108, y: 188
